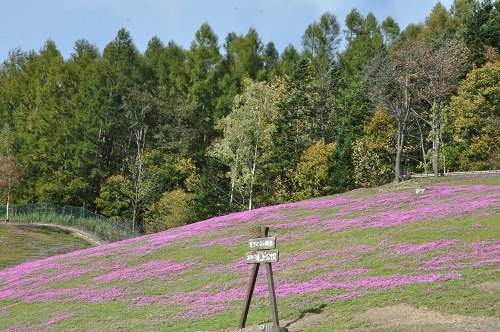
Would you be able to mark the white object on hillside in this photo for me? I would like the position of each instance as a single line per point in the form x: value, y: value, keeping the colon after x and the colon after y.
x: 420, y: 191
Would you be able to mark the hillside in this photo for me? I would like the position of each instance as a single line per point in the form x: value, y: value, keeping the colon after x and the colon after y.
x: 381, y: 258
x: 22, y: 243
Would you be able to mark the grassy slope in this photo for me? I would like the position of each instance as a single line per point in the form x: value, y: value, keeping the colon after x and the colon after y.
x: 340, y: 256
x: 21, y: 243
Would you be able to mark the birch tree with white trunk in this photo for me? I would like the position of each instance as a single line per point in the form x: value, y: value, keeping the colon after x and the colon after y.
x: 247, y: 138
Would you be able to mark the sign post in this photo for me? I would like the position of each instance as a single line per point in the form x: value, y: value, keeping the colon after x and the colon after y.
x: 263, y: 253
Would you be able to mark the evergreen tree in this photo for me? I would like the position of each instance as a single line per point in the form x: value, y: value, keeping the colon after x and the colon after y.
x: 320, y: 42
x: 289, y: 60
x: 482, y: 28
x: 202, y: 60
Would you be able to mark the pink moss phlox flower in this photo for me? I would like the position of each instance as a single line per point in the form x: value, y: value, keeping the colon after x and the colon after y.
x: 6, y: 293
x: 289, y: 237
x: 481, y: 253
x: 224, y: 241
x: 312, y: 221
x: 65, y: 295
x: 144, y: 271
x: 394, y: 200
x: 326, y: 281
x: 446, y: 190
x: 31, y: 282
x: 271, y: 216
x: 19, y: 271
x: 406, y: 248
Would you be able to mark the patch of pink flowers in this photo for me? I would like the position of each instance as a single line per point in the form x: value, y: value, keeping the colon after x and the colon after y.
x: 224, y: 241
x: 406, y: 249
x: 333, y: 270
x: 144, y: 271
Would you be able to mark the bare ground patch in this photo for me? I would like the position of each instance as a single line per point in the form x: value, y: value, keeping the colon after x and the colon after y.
x: 490, y: 286
x: 300, y: 324
x: 408, y: 317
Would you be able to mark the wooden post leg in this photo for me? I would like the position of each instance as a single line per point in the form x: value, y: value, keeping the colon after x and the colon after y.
x: 272, y: 295
x: 250, y: 289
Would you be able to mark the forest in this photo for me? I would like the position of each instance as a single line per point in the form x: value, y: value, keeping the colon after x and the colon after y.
x: 173, y: 135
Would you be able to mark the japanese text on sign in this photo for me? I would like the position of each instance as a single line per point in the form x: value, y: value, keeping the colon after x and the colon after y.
x: 267, y: 256
x: 262, y: 243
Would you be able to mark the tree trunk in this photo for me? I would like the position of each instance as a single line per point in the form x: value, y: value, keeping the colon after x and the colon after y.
x: 436, y: 124
x: 7, y: 211
x: 233, y: 182
x: 250, y: 201
x: 422, y: 146
x: 232, y: 192
x: 399, y: 152
x: 402, y: 124
x: 252, y: 179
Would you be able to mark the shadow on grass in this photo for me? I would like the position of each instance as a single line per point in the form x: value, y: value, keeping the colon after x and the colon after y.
x: 316, y: 311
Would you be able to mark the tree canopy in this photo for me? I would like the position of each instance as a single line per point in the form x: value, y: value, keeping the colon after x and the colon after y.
x: 173, y: 135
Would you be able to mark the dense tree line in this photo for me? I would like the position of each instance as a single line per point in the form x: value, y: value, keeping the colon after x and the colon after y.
x: 173, y: 135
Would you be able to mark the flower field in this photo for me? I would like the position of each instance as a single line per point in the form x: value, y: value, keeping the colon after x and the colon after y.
x: 339, y: 257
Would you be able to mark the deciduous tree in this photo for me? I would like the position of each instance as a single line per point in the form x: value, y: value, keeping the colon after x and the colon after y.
x: 475, y: 113
x: 439, y: 70
x: 10, y: 178
x: 248, y: 132
x: 393, y: 87
x: 311, y: 173
x: 373, y: 154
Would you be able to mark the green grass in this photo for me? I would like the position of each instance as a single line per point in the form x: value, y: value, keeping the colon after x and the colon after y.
x: 20, y: 243
x: 458, y: 295
x: 106, y: 230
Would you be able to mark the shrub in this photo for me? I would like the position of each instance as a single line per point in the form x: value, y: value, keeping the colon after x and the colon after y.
x: 175, y: 208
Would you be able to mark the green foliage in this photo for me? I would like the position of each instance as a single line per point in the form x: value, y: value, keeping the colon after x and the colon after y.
x: 10, y: 176
x: 248, y: 136
x: 289, y: 60
x: 294, y: 133
x: 311, y: 173
x: 436, y: 22
x: 390, y: 30
x: 341, y: 172
x: 354, y: 22
x: 475, y: 116
x: 157, y: 119
x: 270, y: 59
x: 6, y: 141
x: 373, y: 154
x: 114, y: 200
x: 482, y: 28
x: 174, y: 209
x: 321, y: 38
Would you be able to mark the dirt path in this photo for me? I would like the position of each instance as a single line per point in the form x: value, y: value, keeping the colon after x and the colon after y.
x: 418, y: 319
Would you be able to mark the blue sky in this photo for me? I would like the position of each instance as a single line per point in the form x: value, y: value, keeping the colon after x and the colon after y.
x: 27, y: 24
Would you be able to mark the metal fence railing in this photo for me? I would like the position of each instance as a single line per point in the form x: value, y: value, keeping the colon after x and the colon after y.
x: 72, y: 216
x: 427, y: 175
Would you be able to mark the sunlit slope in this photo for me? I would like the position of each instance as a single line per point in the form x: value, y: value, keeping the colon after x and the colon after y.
x: 339, y: 256
x: 22, y: 243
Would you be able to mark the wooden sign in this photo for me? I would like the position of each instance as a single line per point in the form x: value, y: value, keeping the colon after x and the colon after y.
x: 262, y: 256
x: 262, y: 243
